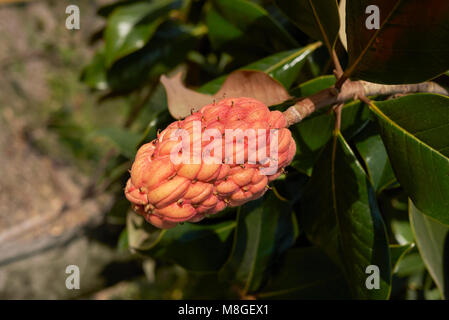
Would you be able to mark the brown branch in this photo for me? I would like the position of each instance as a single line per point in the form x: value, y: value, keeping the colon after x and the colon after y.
x: 338, y: 69
x: 351, y: 90
x: 337, y: 110
x: 340, y: 81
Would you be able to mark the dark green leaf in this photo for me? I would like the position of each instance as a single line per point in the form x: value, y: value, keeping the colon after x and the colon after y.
x: 157, y: 121
x: 118, y: 212
x: 154, y: 116
x: 196, y: 247
x: 371, y: 148
x: 410, y: 265
x: 402, y: 231
x: 264, y: 230
x: 433, y: 244
x: 114, y: 175
x: 312, y: 134
x: 305, y: 273
x: 168, y: 47
x: 245, y: 29
x: 284, y: 67
x: 411, y: 45
x: 340, y: 215
x: 125, y: 141
x: 130, y: 27
x: 318, y: 18
x: 315, y: 85
x: 415, y: 130
x: 397, y: 252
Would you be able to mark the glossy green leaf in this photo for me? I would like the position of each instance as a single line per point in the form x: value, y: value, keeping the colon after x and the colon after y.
x: 130, y: 27
x: 340, y: 215
x: 312, y: 86
x: 284, y: 67
x: 432, y: 239
x: 305, y: 273
x: 410, y: 46
x: 398, y: 252
x: 402, y: 231
x: 319, y: 19
x: 264, y: 230
x: 245, y: 29
x: 195, y: 247
x: 415, y: 129
x: 124, y: 140
x: 168, y: 47
x: 154, y: 116
x: 157, y: 121
x: 410, y: 265
x: 371, y: 148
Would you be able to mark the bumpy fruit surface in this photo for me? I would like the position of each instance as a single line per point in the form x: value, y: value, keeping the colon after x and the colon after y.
x: 166, y: 193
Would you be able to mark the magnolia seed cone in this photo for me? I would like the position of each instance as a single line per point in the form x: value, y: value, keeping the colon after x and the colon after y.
x: 167, y: 193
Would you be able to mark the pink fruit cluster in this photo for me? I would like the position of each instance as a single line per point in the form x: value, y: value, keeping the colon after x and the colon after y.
x: 167, y: 194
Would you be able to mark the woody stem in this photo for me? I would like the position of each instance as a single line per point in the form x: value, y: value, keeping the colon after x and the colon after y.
x: 350, y: 90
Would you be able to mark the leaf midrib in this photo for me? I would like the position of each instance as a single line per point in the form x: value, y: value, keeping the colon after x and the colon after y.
x: 336, y: 137
x: 309, y: 47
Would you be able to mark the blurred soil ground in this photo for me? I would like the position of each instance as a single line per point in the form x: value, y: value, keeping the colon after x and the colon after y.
x: 45, y: 224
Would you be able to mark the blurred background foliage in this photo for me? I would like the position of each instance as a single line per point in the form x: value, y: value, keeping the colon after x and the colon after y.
x: 263, y: 249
